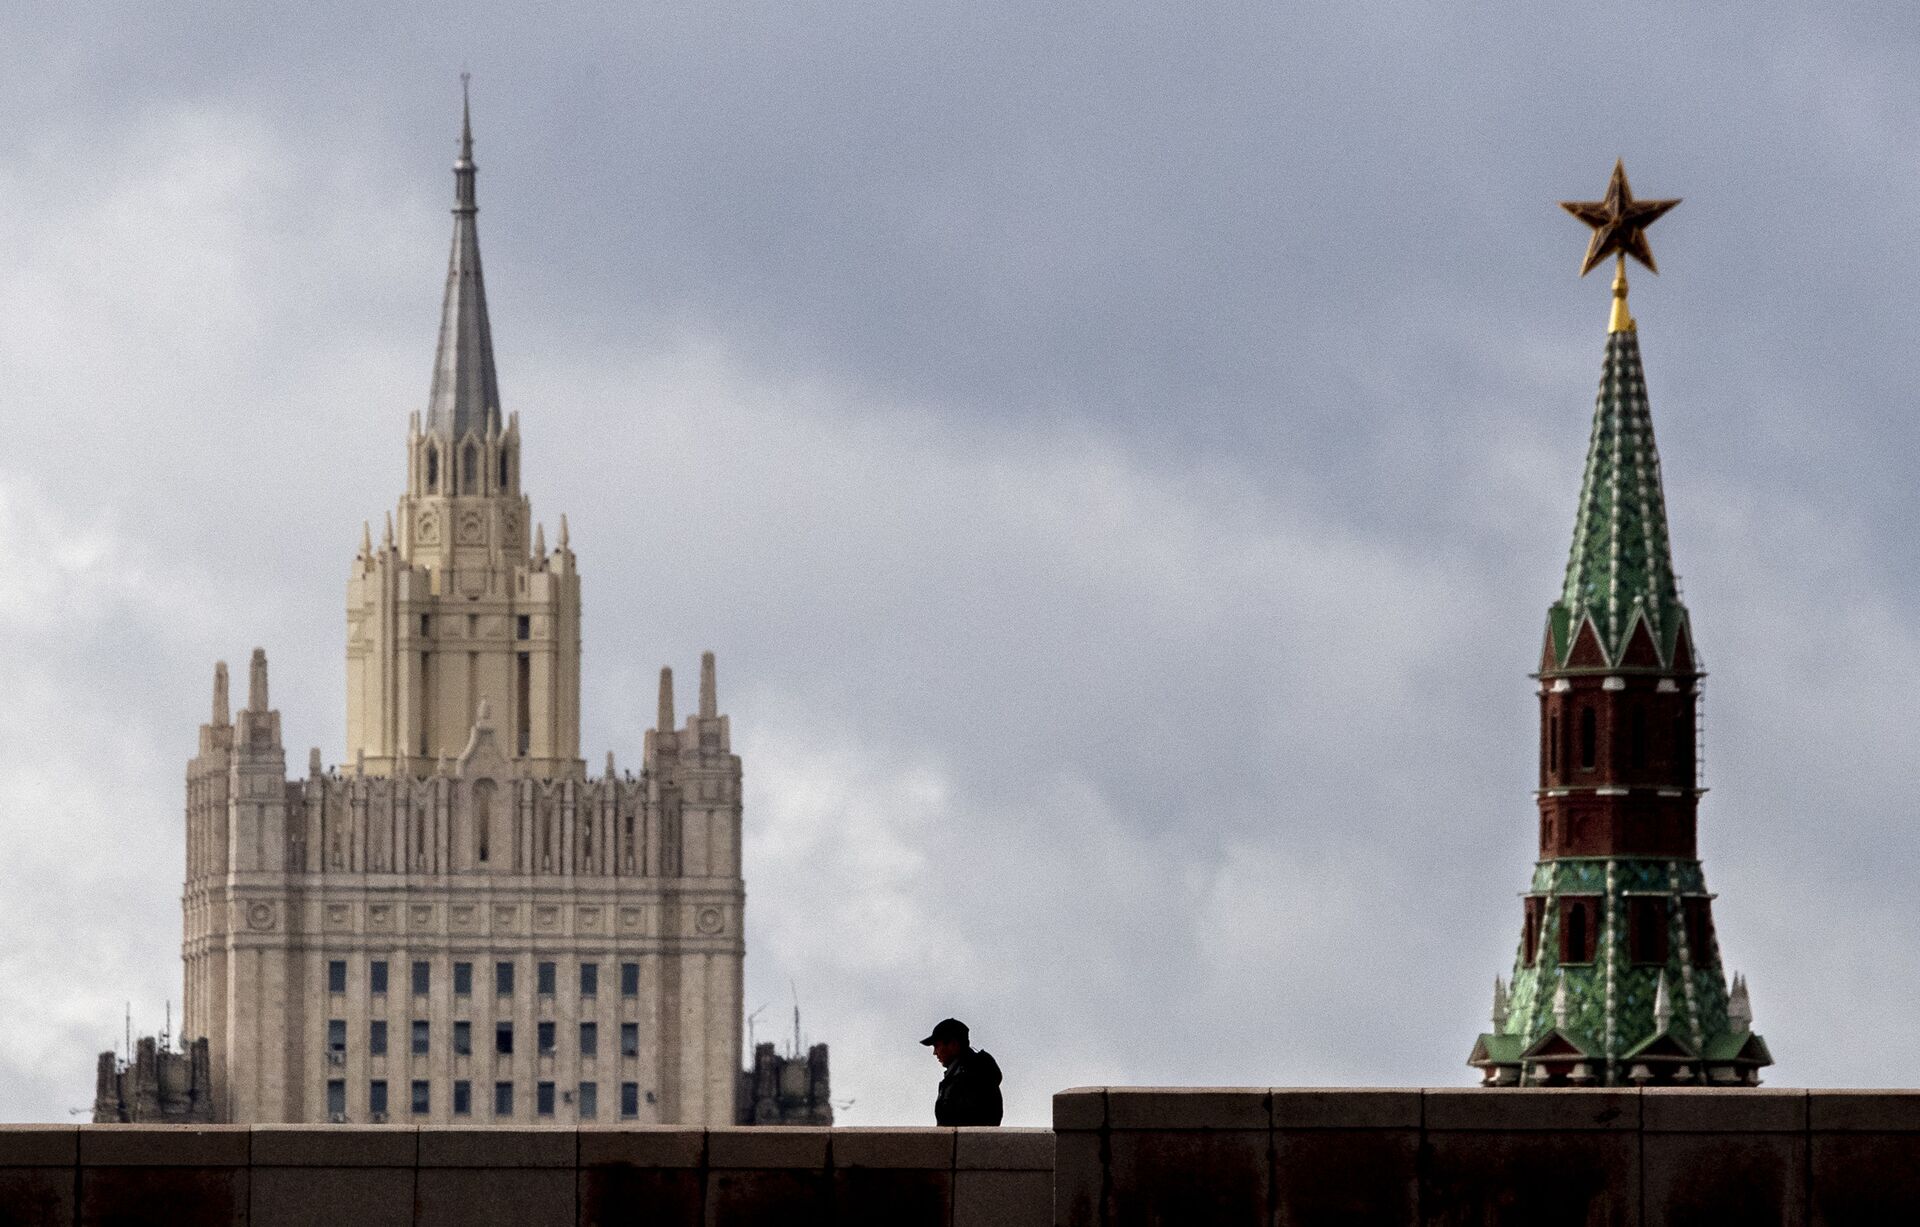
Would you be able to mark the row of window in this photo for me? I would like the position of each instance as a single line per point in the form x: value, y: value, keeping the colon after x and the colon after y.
x: 420, y: 1038
x: 1648, y: 923
x: 1637, y: 755
x: 585, y: 1098
x: 546, y: 978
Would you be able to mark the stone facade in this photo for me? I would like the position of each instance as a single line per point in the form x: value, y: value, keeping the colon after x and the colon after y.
x: 789, y: 1090
x: 462, y: 925
x: 159, y: 1086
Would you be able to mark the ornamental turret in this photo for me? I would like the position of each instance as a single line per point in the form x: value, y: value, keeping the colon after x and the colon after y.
x: 1618, y: 979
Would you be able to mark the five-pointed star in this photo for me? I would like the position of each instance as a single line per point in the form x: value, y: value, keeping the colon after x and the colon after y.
x: 1619, y: 222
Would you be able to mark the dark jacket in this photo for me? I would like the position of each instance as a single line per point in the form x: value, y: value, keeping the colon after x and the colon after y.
x: 970, y: 1092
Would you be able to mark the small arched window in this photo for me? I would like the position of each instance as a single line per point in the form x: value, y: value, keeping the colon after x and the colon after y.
x: 433, y: 470
x: 469, y: 471
x: 1589, y: 739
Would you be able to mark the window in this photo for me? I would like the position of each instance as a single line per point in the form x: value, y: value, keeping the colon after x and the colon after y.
x: 629, y: 1100
x: 1553, y: 744
x: 629, y: 1039
x: 543, y: 1098
x: 433, y: 469
x: 422, y: 977
x: 589, y: 1039
x: 503, y: 1038
x: 336, y: 1098
x: 1589, y: 739
x: 469, y: 471
x: 503, y: 470
x: 589, y: 1100
x: 1530, y: 929
x: 426, y: 632
x: 1637, y: 737
x: 420, y: 1033
x: 463, y: 1038
x: 523, y: 702
x: 377, y: 1097
x: 1579, y: 925
x: 337, y: 976
x: 1647, y: 928
x: 463, y: 1098
x: 377, y: 977
x: 336, y: 1035
x: 547, y: 978
x: 377, y: 1037
x: 523, y: 627
x: 589, y: 979
x: 544, y: 1038
x: 422, y: 1097
x: 1699, y: 923
x: 629, y: 979
x: 503, y: 1099
x: 463, y: 979
x: 503, y: 979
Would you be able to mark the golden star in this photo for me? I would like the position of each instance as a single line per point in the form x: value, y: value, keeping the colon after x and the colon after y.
x: 1619, y: 222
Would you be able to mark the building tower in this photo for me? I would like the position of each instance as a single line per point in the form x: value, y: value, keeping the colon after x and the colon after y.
x: 1618, y: 978
x: 463, y: 926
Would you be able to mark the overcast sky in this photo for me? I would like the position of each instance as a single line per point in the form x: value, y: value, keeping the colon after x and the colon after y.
x: 1121, y: 455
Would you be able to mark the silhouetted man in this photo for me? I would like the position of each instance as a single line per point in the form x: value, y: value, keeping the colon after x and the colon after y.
x: 970, y: 1091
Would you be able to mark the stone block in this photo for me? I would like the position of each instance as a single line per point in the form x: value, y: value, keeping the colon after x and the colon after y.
x: 643, y: 1146
x: 165, y: 1146
x: 1579, y: 1177
x: 1156, y: 1108
x: 335, y: 1146
x: 1014, y: 1150
x: 927, y: 1149
x: 1002, y: 1199
x: 1530, y: 1108
x: 1723, y: 1110
x: 892, y: 1196
x: 368, y: 1196
x: 1355, y: 1177
x: 496, y: 1197
x: 1864, y: 1178
x: 1708, y: 1179
x: 498, y: 1148
x: 36, y: 1196
x: 749, y: 1197
x: 770, y: 1146
x: 125, y: 1196
x: 1195, y: 1177
x: 39, y: 1145
x: 1083, y: 1107
x: 1864, y: 1111
x: 1360, y: 1108
x: 641, y: 1196
x: 1079, y: 1178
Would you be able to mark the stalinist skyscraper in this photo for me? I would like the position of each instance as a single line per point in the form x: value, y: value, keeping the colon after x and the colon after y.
x: 460, y: 925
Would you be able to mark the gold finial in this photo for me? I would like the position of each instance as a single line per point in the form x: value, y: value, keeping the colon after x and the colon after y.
x: 1622, y: 319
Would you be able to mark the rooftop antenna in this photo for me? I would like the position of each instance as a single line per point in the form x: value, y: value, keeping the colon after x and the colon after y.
x: 796, y: 1016
x: 750, y: 1018
x: 129, y: 1048
x: 166, y: 1029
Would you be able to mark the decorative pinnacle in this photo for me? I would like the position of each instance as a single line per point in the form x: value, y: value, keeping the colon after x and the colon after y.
x: 1561, y: 1004
x: 257, y: 681
x: 709, y: 692
x: 220, y: 716
x: 1739, y: 1007
x: 1499, y: 1005
x: 1662, y: 1004
x: 663, y: 721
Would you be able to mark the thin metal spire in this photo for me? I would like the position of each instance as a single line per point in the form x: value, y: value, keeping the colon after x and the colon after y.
x: 466, y: 392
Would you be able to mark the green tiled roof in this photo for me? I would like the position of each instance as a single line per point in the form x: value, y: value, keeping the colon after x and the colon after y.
x: 1621, y: 562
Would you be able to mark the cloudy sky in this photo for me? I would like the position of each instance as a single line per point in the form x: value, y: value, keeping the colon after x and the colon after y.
x: 1121, y: 455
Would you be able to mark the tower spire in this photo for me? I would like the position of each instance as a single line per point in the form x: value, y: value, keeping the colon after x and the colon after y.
x: 466, y: 393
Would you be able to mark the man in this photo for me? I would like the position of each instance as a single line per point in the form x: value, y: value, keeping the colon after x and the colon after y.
x: 970, y: 1091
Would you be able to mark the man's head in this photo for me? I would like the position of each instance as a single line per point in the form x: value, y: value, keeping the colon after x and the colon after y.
x: 949, y: 1040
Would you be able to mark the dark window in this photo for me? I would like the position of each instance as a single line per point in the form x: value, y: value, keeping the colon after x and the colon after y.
x: 1553, y: 743
x: 629, y: 1100
x: 377, y: 977
x: 336, y: 1035
x: 1530, y: 929
x: 523, y: 702
x: 420, y: 1034
x: 422, y: 1098
x: 1647, y: 928
x: 589, y: 1101
x: 544, y: 1038
x: 523, y: 627
x: 1699, y: 922
x: 1637, y: 737
x: 629, y: 979
x: 433, y: 469
x: 1589, y: 739
x: 503, y: 1099
x: 377, y: 1097
x: 463, y: 1038
x: 463, y: 1098
x: 589, y: 979
x: 462, y: 979
x: 503, y: 979
x: 589, y: 1039
x: 547, y: 976
x: 377, y: 1037
x: 1578, y: 927
x: 422, y: 978
x: 469, y: 470
x: 543, y: 1098
x: 503, y: 1038
x: 629, y: 1039
x: 503, y: 470
x: 337, y: 976
x: 426, y: 630
x: 337, y: 1098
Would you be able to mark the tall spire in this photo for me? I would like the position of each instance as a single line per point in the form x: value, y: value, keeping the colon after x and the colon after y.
x: 466, y: 393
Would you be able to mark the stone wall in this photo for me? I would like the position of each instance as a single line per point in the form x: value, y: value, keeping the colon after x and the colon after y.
x: 296, y: 1175
x: 1595, y: 1158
